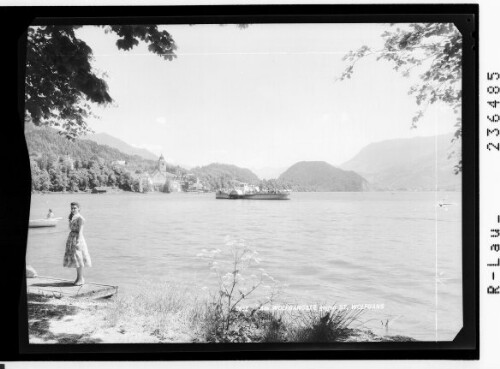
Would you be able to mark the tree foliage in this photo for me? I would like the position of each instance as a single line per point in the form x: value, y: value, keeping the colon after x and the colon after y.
x: 80, y: 177
x: 58, y: 164
x: 60, y: 80
x: 435, y: 48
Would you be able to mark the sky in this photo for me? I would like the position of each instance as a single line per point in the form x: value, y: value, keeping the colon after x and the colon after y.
x: 261, y: 97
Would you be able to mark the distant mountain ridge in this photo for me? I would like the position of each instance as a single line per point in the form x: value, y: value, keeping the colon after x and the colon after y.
x: 111, y: 141
x: 321, y: 176
x: 419, y: 163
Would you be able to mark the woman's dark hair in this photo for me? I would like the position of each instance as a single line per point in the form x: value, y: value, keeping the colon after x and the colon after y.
x: 70, y: 213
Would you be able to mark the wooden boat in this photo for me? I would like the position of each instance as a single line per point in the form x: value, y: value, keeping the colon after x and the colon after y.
x: 443, y: 204
x: 38, y: 223
x: 57, y: 288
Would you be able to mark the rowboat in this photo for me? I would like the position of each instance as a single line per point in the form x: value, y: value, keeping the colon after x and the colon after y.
x: 38, y: 223
x: 443, y: 204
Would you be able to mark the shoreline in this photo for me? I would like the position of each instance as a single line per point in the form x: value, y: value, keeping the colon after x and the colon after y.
x: 117, y: 191
x: 116, y: 320
x: 111, y: 191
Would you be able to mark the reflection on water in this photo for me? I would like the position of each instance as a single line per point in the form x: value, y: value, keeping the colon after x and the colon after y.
x: 344, y: 248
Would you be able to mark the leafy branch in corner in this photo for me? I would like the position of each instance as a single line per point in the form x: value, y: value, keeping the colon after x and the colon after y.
x: 61, y: 83
x: 437, y: 49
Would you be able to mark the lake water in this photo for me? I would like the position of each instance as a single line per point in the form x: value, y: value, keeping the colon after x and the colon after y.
x: 397, y: 249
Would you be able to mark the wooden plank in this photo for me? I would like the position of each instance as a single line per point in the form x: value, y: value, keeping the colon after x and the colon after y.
x: 56, y: 287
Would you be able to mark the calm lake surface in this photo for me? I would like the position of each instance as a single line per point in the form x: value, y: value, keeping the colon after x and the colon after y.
x: 397, y: 249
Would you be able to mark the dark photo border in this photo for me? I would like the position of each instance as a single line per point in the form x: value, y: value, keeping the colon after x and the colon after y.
x: 16, y: 184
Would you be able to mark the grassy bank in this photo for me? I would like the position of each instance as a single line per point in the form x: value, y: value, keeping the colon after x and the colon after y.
x: 171, y: 315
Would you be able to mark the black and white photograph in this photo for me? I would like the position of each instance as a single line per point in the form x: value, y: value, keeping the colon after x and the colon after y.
x: 244, y: 183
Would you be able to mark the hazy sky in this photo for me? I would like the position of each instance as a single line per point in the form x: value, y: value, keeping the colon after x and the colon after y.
x: 264, y: 96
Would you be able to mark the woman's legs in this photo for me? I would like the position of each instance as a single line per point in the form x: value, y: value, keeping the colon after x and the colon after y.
x: 79, y: 276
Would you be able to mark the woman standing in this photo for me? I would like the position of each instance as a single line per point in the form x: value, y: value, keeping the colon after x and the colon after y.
x: 76, y: 255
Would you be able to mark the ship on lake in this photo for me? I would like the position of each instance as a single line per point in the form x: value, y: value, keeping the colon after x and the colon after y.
x: 222, y: 194
x: 268, y: 195
x: 248, y: 192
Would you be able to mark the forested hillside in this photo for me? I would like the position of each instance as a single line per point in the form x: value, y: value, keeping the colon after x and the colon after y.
x: 59, y: 164
x: 220, y: 175
x: 111, y: 141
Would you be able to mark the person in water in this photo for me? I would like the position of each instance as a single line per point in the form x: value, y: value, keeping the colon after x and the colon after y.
x: 76, y: 255
x: 50, y: 215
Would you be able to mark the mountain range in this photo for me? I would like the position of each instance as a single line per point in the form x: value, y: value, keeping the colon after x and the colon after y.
x: 419, y: 164
x: 111, y: 141
x: 47, y: 141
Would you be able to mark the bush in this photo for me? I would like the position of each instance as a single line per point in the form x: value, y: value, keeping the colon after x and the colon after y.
x: 236, y: 284
x: 324, y: 326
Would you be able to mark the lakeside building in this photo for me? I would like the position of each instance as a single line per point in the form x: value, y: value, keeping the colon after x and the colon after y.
x: 176, y: 182
x: 160, y: 176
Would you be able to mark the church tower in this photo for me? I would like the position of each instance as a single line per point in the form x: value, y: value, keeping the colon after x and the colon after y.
x: 162, y: 164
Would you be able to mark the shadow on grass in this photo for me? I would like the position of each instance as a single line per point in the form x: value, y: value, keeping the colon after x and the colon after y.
x: 42, y: 311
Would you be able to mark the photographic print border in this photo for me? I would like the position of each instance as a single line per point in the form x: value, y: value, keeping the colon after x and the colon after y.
x: 464, y: 16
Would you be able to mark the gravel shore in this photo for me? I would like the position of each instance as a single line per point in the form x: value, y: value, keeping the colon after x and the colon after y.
x: 73, y: 321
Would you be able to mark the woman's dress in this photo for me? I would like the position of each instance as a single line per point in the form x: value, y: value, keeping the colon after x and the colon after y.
x: 77, y: 254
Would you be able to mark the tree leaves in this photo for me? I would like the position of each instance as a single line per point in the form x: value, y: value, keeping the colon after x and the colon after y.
x: 61, y: 83
x: 438, y: 47
x: 159, y: 42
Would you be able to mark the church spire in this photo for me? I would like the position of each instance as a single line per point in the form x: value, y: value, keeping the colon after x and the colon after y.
x: 162, y: 165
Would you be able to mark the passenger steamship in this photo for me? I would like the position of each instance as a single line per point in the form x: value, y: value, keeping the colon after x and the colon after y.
x: 247, y: 192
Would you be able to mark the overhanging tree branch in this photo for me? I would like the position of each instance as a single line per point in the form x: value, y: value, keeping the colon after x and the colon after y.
x: 437, y: 44
x: 60, y: 81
